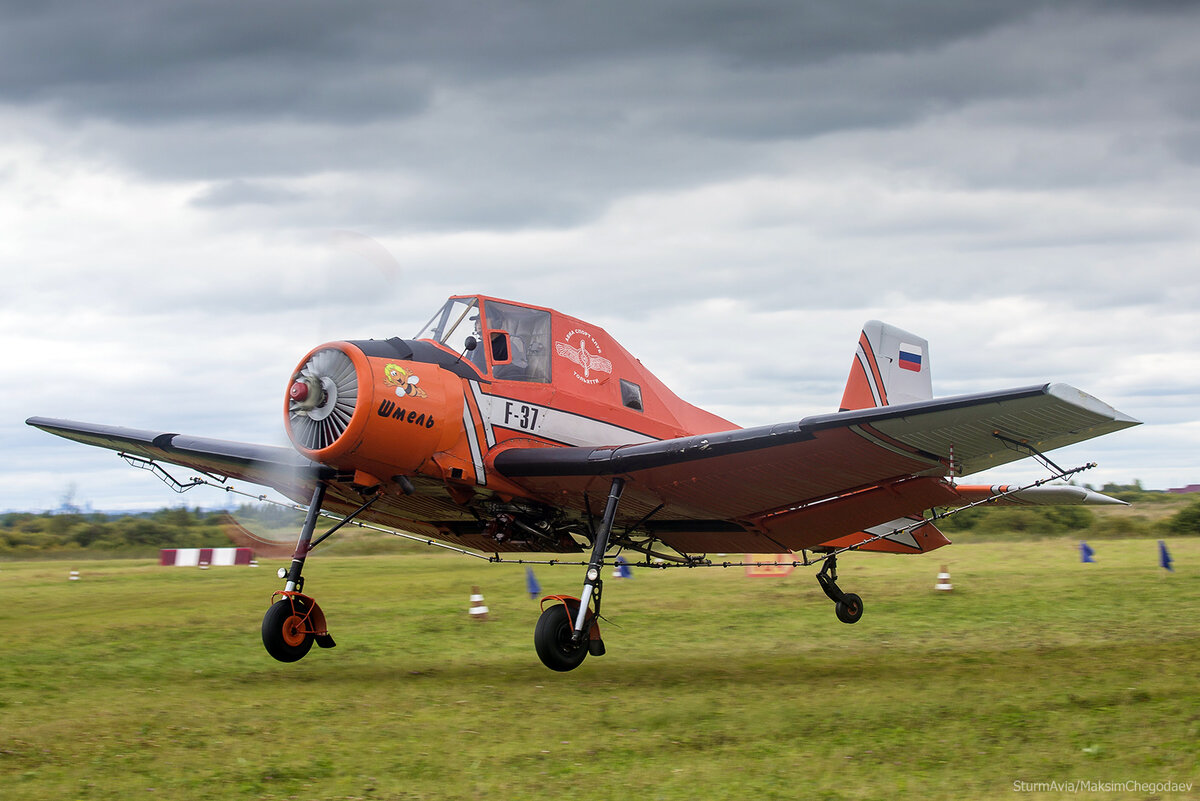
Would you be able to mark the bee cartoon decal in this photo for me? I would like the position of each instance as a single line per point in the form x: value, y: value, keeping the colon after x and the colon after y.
x: 405, y: 382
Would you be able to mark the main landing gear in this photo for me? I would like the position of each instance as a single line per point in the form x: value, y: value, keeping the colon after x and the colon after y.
x: 294, y: 622
x: 847, y: 605
x: 568, y: 629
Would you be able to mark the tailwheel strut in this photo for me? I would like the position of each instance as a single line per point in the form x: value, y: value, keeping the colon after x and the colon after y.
x: 568, y: 630
x: 847, y: 605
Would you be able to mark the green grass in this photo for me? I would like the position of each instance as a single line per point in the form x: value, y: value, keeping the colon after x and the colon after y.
x: 145, y: 682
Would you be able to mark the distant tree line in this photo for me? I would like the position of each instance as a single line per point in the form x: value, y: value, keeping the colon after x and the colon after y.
x: 1049, y: 521
x: 45, y: 534
x: 36, y: 535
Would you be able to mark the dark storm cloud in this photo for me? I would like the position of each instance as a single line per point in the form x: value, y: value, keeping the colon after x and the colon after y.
x: 147, y: 62
x: 503, y: 114
x: 137, y: 60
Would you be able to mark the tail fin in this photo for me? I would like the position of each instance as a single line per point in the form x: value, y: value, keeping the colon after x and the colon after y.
x: 891, y: 366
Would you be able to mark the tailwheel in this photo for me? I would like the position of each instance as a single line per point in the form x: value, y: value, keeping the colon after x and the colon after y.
x: 847, y: 605
x: 553, y: 641
x: 285, y: 630
x: 849, y: 609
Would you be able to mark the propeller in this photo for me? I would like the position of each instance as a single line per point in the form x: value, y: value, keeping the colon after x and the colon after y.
x: 322, y: 394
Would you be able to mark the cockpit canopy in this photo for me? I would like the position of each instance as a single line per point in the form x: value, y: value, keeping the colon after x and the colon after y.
x: 513, y: 343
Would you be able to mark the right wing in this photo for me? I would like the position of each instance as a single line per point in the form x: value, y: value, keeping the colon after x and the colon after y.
x: 797, y: 485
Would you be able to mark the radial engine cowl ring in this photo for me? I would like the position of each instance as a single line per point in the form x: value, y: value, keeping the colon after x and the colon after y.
x: 321, y: 399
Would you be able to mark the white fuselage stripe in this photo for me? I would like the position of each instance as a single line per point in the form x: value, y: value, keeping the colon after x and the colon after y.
x: 473, y: 442
x: 556, y: 425
x: 488, y: 433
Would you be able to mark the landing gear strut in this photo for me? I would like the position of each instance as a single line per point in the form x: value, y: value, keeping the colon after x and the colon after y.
x: 294, y: 622
x: 569, y: 630
x: 847, y: 605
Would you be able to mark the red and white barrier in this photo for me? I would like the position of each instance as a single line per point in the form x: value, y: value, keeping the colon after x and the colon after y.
x: 195, y: 557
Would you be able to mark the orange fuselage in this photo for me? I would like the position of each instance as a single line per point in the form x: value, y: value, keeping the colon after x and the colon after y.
x: 397, y: 408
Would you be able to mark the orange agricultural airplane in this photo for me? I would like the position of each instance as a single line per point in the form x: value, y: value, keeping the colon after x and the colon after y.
x: 506, y: 427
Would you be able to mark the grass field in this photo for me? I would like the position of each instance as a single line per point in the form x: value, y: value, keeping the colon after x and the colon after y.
x: 145, y: 682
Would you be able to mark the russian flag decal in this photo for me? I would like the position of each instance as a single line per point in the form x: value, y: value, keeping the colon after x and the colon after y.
x: 910, y: 357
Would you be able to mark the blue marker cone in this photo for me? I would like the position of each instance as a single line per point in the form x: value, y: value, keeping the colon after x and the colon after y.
x: 1164, y: 557
x: 1086, y: 553
x: 531, y: 583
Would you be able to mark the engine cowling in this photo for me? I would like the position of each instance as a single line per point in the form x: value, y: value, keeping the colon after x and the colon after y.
x: 378, y: 415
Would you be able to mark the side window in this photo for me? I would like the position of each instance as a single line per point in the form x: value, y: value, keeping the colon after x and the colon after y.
x: 500, y: 348
x: 524, y: 354
x: 631, y: 395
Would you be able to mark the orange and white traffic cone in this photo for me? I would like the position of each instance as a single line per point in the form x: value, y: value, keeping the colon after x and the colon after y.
x: 943, y: 580
x: 478, y: 610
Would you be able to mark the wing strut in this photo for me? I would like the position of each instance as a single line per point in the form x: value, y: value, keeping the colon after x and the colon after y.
x: 162, y: 475
x: 1024, y: 447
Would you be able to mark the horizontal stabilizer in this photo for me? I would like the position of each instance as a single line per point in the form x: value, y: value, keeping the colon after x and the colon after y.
x: 897, y: 537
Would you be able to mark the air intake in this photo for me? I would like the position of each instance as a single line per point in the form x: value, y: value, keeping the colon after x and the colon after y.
x: 322, y: 398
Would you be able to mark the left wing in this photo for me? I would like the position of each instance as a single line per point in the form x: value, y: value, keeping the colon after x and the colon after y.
x: 270, y: 466
x: 797, y: 485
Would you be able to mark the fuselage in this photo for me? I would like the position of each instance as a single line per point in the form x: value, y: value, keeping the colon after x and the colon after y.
x: 483, y: 375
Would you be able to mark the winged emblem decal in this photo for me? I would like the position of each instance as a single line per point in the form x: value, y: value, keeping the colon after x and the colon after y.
x: 589, y: 362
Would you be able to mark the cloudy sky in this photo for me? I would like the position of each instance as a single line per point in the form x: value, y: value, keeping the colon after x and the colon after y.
x: 194, y: 194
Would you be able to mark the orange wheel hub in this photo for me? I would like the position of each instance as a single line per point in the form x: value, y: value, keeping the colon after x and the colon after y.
x: 293, y: 630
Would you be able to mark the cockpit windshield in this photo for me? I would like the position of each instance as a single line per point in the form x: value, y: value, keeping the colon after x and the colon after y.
x: 453, y: 323
x: 512, y: 343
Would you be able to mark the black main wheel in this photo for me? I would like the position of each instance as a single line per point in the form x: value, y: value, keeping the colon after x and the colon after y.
x: 552, y: 638
x: 849, y: 609
x: 283, y: 632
